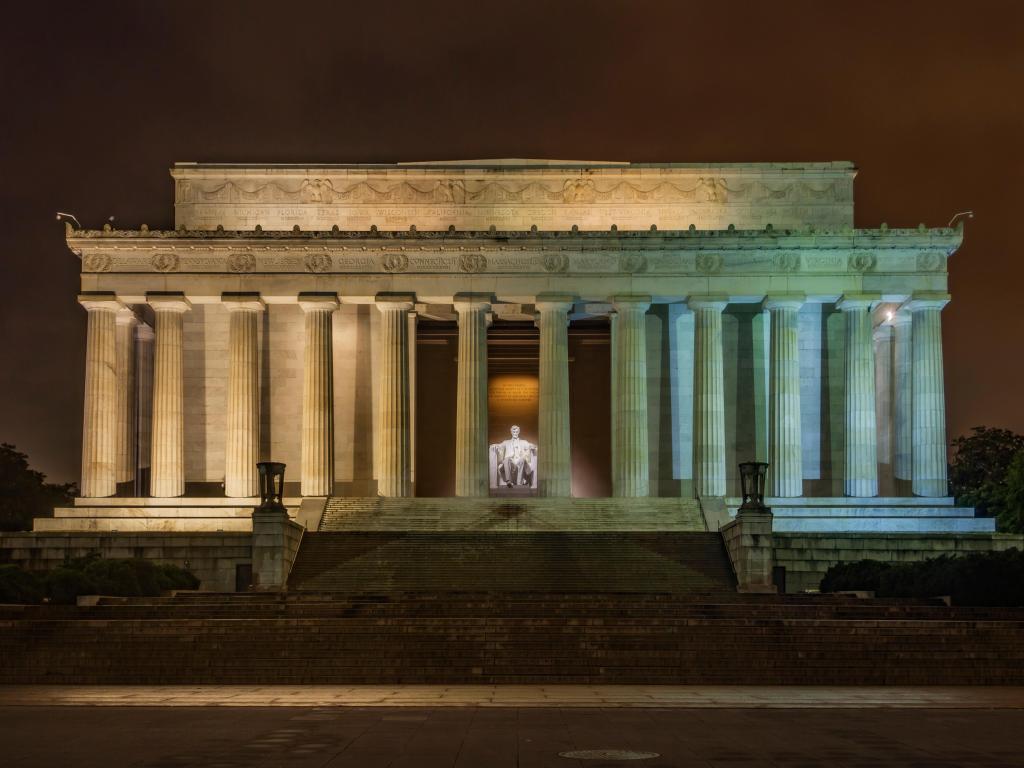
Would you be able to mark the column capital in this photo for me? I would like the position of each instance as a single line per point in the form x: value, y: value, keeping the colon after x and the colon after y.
x: 238, y: 302
x: 465, y: 302
x: 927, y: 300
x: 403, y: 302
x: 784, y: 301
x: 144, y: 332
x: 901, y: 317
x: 102, y: 301
x: 318, y: 302
x: 126, y: 316
x: 708, y: 301
x: 556, y: 302
x: 631, y: 302
x: 168, y: 302
x: 852, y: 302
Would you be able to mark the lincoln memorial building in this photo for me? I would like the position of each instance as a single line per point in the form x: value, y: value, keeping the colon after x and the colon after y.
x: 546, y: 333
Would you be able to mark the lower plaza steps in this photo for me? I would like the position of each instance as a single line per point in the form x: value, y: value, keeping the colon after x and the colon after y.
x: 509, y: 638
x: 510, y: 592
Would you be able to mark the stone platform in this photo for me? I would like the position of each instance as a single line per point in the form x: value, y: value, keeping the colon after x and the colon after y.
x: 877, y: 514
x: 182, y: 514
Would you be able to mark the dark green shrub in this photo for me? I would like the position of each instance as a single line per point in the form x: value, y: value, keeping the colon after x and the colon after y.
x: 985, y: 578
x: 173, y: 577
x: 64, y: 585
x: 18, y: 586
x: 863, y: 575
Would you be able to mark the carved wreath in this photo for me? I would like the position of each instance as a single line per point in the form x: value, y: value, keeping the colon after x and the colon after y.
x: 787, y: 262
x: 632, y: 262
x: 556, y: 262
x: 709, y: 263
x: 96, y: 262
x: 472, y: 262
x: 930, y: 261
x: 317, y: 262
x: 396, y: 262
x: 165, y: 262
x: 241, y: 262
x: 862, y: 262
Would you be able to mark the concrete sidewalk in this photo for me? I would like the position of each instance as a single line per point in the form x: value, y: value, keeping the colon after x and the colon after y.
x: 590, y: 696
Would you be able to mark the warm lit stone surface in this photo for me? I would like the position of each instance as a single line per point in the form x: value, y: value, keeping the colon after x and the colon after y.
x: 167, y: 473
x: 99, y: 426
x: 471, y: 463
x: 318, y: 396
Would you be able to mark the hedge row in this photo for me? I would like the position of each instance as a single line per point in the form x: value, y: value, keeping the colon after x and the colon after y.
x: 990, y: 578
x: 92, y: 576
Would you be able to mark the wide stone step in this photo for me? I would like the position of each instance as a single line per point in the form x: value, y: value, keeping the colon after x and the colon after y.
x: 511, y: 515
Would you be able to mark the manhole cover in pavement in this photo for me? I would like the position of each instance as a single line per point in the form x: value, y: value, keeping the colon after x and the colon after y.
x: 608, y: 754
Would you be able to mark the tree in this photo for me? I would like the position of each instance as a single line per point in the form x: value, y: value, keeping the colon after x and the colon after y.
x: 987, y: 472
x: 24, y: 494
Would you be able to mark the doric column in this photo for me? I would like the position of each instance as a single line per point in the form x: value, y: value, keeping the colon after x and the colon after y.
x: 395, y: 447
x: 167, y: 466
x: 144, y: 338
x: 903, y: 374
x: 630, y: 473
x: 412, y: 401
x: 613, y: 338
x: 861, y: 478
x: 99, y: 422
x: 708, y: 395
x: 471, y: 463
x: 554, y: 468
x: 785, y: 460
x: 929, y: 396
x: 126, y: 458
x: 318, y: 394
x: 242, y: 446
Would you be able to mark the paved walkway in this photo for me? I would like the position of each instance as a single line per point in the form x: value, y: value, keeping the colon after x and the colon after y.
x: 506, y: 737
x: 591, y: 696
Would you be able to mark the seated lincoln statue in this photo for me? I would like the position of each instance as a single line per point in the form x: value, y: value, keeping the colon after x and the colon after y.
x: 514, y: 463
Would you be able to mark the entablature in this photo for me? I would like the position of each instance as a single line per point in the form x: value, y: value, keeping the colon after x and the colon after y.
x: 612, y: 253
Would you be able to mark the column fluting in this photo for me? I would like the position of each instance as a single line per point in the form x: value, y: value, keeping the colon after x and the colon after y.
x: 395, y: 447
x: 861, y: 475
x: 126, y: 421
x: 785, y: 457
x: 903, y: 375
x: 167, y: 465
x: 554, y: 467
x: 242, y: 441
x: 929, y: 396
x: 708, y: 395
x: 144, y: 338
x: 631, y: 470
x: 471, y: 464
x: 318, y: 394
x: 99, y: 421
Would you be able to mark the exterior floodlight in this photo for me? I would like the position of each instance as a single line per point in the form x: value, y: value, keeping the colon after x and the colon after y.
x: 61, y: 216
x: 752, y: 477
x: 966, y: 214
x: 271, y: 485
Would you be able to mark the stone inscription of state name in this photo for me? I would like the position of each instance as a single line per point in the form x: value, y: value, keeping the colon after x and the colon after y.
x: 748, y: 197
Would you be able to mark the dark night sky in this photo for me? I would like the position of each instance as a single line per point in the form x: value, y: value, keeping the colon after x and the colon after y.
x: 99, y: 99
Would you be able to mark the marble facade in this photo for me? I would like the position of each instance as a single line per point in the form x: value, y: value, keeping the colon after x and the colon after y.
x: 748, y: 319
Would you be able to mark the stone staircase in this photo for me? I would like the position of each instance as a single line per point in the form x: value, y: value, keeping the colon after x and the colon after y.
x: 495, y: 638
x: 512, y: 515
x: 359, y: 561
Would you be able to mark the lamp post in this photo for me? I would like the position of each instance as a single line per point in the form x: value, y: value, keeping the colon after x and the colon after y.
x: 271, y: 481
x: 752, y: 477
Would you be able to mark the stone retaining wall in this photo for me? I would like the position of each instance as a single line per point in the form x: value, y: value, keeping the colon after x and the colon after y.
x: 212, y: 557
x: 806, y: 556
